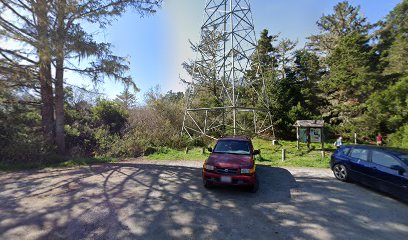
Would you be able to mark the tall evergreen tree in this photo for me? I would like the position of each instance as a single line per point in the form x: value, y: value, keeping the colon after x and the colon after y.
x: 127, y: 99
x: 52, y: 33
x: 276, y: 62
x: 72, y: 41
x: 345, y: 19
x: 387, y: 107
x: 204, y: 71
x: 350, y: 80
x: 26, y: 24
x: 264, y: 63
x: 348, y: 64
x: 392, y: 43
x: 308, y: 75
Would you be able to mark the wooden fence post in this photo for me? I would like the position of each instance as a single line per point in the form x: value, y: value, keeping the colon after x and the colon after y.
x: 283, y: 154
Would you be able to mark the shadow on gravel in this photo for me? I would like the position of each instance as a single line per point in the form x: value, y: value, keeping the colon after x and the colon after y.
x: 143, y: 201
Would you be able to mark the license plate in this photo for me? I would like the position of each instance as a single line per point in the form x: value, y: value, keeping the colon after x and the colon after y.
x: 226, y: 179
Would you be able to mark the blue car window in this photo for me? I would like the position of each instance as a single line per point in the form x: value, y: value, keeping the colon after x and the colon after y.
x: 343, y: 151
x: 404, y: 158
x: 358, y: 153
x: 384, y: 159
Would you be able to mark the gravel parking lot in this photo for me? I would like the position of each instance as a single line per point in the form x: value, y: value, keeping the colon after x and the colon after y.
x: 141, y: 199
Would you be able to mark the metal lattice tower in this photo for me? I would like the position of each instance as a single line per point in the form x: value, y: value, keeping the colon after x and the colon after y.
x: 227, y: 45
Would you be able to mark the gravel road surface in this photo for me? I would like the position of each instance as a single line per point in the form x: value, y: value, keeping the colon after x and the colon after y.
x: 141, y: 199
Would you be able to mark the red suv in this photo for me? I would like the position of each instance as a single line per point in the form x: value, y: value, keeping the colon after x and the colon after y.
x: 231, y: 163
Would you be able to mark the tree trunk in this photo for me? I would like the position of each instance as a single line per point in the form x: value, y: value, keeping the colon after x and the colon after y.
x: 47, y: 106
x: 45, y: 78
x: 59, y: 78
x: 59, y: 106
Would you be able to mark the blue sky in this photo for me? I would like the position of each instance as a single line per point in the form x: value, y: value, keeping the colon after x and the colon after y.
x: 157, y: 45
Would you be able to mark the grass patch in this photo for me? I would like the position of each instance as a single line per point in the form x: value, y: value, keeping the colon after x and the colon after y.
x: 270, y: 154
x: 172, y: 154
x: 10, y: 167
x: 304, y: 157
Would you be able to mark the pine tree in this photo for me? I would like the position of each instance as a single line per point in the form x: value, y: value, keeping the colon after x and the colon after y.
x: 127, y: 99
x: 308, y: 74
x: 52, y: 33
x: 204, y: 71
x: 345, y: 19
x: 387, y: 107
x: 393, y: 42
x: 348, y: 64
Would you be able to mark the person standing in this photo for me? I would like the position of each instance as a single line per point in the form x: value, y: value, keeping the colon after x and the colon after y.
x: 338, y: 142
x: 379, y: 139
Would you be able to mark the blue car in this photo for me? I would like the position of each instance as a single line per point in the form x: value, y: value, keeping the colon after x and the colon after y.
x: 385, y: 169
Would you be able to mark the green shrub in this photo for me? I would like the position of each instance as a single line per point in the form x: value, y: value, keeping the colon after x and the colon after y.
x: 98, y: 130
x: 21, y: 139
x: 110, y: 114
x: 399, y: 138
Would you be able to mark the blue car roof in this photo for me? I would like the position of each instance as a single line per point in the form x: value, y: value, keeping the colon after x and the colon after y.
x: 394, y: 151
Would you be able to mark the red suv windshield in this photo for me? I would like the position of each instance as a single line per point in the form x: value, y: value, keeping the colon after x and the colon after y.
x: 232, y: 147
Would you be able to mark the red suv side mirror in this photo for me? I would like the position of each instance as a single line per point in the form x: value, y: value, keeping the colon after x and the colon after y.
x: 210, y: 149
x: 257, y: 152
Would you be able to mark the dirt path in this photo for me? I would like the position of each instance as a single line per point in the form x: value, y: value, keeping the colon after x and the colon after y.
x: 142, y: 199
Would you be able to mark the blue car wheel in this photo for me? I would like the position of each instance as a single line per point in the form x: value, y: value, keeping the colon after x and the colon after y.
x: 340, y: 172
